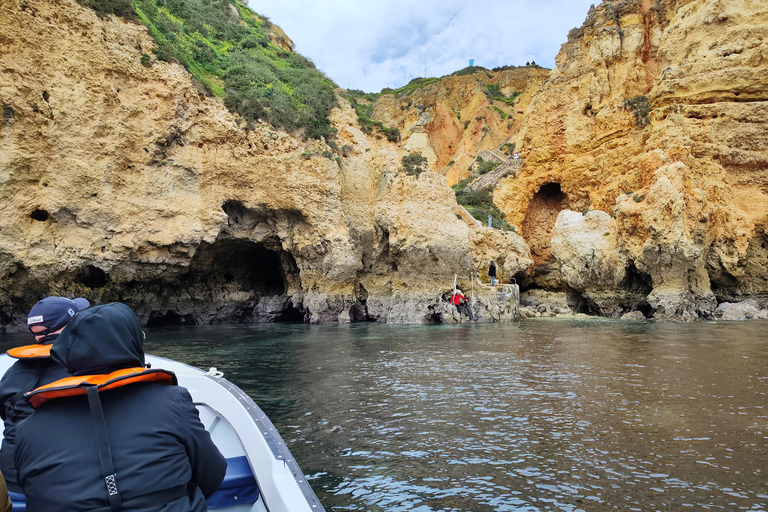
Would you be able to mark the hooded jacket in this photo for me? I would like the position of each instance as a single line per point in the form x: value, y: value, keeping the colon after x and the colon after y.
x: 164, y: 459
x: 24, y: 375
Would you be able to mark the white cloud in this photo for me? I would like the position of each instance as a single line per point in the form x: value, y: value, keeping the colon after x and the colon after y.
x: 368, y: 45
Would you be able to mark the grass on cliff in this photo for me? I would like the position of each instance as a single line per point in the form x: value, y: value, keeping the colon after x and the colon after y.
x: 225, y: 47
x: 480, y: 204
x: 363, y: 103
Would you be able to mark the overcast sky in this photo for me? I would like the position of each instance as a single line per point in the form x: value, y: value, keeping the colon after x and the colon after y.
x: 372, y: 44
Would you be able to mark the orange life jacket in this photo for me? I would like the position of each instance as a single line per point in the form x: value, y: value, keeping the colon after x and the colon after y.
x: 31, y: 352
x: 78, y: 385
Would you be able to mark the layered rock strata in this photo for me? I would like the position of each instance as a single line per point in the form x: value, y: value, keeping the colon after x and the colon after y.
x: 123, y: 182
x: 656, y: 115
x: 456, y: 118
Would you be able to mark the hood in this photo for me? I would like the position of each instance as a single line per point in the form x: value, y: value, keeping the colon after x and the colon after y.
x: 100, y: 340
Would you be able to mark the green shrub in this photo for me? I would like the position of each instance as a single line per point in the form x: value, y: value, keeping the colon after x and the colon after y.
x: 461, y: 185
x: 480, y: 204
x: 362, y: 102
x: 146, y: 60
x: 471, y: 70
x: 501, y: 113
x: 392, y: 134
x: 508, y: 148
x: 254, y: 42
x: 227, y: 51
x: 486, y: 167
x: 412, y: 164
x: 640, y: 108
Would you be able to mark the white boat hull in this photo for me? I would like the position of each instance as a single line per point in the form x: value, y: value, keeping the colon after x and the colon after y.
x: 248, y: 440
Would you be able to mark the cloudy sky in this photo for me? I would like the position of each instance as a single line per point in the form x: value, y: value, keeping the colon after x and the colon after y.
x: 372, y: 44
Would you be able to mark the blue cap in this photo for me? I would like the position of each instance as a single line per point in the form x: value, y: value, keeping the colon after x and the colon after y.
x: 53, y: 313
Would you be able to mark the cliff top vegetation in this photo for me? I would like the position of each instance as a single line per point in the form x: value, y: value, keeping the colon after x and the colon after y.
x: 226, y: 48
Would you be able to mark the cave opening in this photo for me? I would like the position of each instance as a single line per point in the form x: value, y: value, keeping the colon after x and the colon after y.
x: 433, y: 317
x: 92, y: 277
x: 545, y: 206
x: 637, y: 281
x: 228, y: 281
x: 238, y: 265
x: 290, y: 315
x: 39, y: 215
x: 169, y: 319
x: 359, y: 310
x: 359, y: 313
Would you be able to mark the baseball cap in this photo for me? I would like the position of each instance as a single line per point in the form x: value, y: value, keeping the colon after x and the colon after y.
x: 53, y: 313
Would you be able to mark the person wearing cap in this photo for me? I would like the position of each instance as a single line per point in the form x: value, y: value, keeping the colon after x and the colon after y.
x: 34, y: 368
x: 116, y: 435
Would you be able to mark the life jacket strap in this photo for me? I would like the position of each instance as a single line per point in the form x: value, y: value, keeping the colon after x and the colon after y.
x: 105, y: 451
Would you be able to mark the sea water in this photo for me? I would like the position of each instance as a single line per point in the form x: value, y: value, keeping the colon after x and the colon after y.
x: 561, y: 415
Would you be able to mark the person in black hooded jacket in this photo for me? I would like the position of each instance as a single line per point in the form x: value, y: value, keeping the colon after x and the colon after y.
x: 159, y: 457
x: 33, y: 368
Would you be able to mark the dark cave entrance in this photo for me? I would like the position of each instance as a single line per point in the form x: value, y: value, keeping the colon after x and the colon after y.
x: 227, y: 281
x: 540, y: 219
x: 537, y: 227
x: 92, y: 277
x: 169, y: 318
x: 239, y: 265
x: 359, y: 310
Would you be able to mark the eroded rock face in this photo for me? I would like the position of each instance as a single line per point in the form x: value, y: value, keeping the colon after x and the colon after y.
x: 452, y: 120
x: 586, y: 248
x: 655, y: 114
x: 121, y: 182
x: 124, y: 182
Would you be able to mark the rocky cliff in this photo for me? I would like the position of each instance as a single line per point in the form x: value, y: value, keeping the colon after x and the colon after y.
x: 456, y: 118
x: 642, y: 188
x: 122, y: 181
x: 656, y: 117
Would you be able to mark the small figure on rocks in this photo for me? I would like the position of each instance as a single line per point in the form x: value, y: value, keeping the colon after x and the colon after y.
x: 492, y: 272
x: 457, y: 299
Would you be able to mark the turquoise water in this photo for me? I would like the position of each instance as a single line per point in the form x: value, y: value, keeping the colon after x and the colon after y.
x: 542, y: 415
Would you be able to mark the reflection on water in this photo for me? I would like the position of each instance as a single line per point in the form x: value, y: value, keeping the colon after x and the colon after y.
x: 541, y: 415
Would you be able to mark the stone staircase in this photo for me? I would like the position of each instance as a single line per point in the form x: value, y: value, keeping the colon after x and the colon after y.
x: 468, y: 218
x: 508, y: 167
x: 492, y: 156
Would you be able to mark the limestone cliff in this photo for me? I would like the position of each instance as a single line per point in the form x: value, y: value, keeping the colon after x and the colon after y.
x: 454, y: 119
x: 121, y: 181
x: 643, y: 183
x: 656, y: 115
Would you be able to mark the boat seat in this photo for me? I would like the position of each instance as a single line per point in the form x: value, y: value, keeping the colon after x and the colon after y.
x: 239, y: 486
x: 18, y: 501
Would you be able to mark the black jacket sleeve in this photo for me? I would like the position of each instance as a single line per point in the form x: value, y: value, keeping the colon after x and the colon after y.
x: 208, y: 464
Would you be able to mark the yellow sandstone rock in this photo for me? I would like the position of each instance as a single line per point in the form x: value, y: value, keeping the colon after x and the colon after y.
x: 120, y: 181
